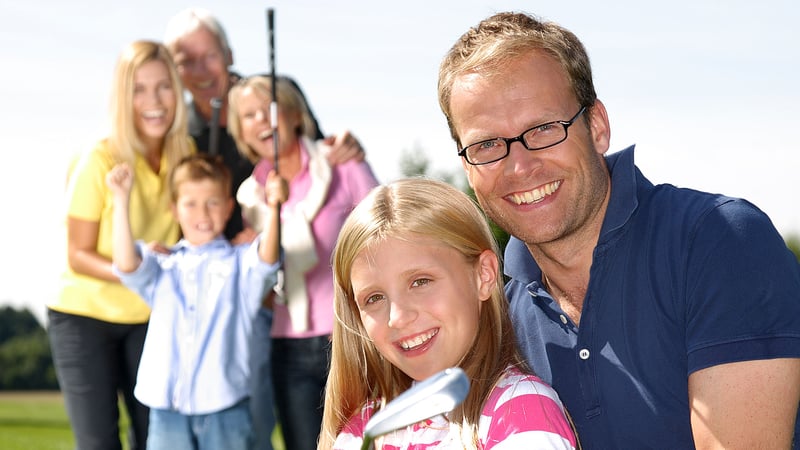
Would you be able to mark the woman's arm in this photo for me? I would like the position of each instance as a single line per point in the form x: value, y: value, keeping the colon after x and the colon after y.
x: 82, y: 253
x: 277, y: 192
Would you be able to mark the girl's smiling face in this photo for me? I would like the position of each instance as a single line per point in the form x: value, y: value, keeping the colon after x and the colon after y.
x: 420, y: 301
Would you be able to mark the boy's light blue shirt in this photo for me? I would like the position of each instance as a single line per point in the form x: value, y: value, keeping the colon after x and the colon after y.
x: 203, y: 300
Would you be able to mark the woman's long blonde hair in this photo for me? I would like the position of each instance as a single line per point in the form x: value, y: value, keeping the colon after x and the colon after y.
x: 125, y: 142
x: 358, y: 374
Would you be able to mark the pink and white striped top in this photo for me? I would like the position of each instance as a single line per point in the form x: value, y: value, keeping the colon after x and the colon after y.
x: 522, y: 412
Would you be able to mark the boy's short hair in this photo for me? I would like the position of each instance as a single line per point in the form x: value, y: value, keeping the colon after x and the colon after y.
x: 198, y: 167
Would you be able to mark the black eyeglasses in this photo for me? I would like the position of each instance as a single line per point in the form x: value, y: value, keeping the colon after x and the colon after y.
x: 536, y: 138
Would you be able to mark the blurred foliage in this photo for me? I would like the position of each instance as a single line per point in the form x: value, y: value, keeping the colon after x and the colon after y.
x: 415, y: 162
x: 793, y: 242
x: 25, y: 360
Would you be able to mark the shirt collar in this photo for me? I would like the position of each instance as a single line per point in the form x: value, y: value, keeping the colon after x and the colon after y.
x: 183, y: 246
x: 625, y: 181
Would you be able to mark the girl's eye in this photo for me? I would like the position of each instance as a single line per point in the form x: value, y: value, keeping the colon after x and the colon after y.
x: 420, y: 282
x: 373, y: 299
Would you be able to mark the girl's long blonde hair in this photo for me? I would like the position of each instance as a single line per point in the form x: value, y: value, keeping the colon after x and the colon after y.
x: 358, y: 374
x: 125, y: 142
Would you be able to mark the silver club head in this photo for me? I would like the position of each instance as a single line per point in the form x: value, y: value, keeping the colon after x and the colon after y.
x: 435, y: 395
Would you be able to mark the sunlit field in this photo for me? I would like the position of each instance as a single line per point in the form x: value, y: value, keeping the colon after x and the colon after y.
x: 38, y: 420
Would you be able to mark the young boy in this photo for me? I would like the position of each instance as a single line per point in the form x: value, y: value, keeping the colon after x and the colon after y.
x: 204, y: 294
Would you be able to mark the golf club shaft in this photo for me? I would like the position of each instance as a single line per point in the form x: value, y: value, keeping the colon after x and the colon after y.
x: 273, y: 109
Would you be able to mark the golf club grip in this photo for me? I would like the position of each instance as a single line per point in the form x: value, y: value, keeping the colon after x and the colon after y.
x: 213, y: 132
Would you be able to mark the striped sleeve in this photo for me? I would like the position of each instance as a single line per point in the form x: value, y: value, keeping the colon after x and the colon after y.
x: 524, y: 412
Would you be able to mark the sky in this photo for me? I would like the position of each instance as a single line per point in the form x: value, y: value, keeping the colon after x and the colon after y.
x: 708, y: 92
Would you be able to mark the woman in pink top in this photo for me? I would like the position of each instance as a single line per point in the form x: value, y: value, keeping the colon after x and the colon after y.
x: 320, y: 198
x: 418, y: 290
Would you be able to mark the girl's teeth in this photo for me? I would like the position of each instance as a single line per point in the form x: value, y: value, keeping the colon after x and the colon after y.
x: 419, y: 340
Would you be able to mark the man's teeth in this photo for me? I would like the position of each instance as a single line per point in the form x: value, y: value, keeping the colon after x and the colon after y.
x: 154, y: 114
x: 204, y: 84
x: 419, y: 340
x: 535, y: 195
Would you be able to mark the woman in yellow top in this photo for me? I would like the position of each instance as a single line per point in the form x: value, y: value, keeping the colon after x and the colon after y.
x: 96, y: 325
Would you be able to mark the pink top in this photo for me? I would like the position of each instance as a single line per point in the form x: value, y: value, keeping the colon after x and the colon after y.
x: 521, y: 412
x: 350, y: 182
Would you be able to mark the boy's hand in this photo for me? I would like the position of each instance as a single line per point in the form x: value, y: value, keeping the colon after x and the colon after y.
x: 276, y: 189
x: 120, y: 180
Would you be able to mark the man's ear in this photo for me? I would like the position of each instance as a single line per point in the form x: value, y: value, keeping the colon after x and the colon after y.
x: 599, y: 127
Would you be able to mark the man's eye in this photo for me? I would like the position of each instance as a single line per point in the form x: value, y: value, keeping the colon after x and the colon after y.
x: 546, y: 128
x: 488, y: 145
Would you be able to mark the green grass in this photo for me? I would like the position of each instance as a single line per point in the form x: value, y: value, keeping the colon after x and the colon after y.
x: 38, y: 420
x: 34, y: 420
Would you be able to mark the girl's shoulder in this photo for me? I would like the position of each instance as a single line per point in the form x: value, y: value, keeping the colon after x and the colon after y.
x: 522, y: 411
x: 516, y: 384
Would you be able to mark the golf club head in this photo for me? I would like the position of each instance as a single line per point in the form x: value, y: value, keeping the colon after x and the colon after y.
x: 435, y: 395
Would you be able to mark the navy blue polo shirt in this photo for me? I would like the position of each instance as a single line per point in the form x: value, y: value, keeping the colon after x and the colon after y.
x: 681, y: 280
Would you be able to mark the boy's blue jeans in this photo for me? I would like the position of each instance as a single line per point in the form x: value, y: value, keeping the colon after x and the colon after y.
x: 229, y: 429
x: 262, y: 397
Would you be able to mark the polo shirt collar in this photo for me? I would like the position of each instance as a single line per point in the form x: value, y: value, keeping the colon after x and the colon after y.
x: 624, y: 186
x: 520, y: 265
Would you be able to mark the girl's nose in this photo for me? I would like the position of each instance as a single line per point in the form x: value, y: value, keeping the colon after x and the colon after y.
x: 401, y: 313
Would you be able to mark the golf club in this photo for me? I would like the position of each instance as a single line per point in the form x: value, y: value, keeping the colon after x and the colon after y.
x: 435, y: 395
x: 213, y: 126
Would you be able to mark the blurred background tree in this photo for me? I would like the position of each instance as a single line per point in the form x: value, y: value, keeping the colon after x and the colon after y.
x: 793, y: 242
x: 25, y: 360
x: 415, y: 162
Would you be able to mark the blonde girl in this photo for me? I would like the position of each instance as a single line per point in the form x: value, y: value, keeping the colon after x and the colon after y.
x: 418, y: 289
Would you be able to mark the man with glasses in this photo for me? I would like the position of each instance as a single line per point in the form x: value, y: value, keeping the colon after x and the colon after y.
x: 664, y: 317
